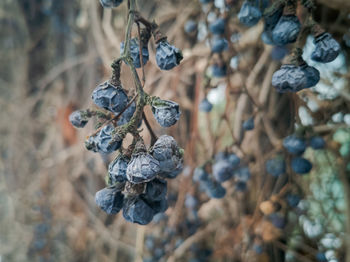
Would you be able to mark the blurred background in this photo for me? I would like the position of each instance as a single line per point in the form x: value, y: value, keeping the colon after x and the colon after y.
x: 54, y: 53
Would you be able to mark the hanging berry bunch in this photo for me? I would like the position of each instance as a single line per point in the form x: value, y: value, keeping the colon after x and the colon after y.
x: 136, y: 181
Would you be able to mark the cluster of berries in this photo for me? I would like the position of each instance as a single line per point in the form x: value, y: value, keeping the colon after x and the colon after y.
x: 136, y: 177
x: 225, y: 166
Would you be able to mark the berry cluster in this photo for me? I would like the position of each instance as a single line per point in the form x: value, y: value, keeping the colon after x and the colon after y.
x: 136, y: 177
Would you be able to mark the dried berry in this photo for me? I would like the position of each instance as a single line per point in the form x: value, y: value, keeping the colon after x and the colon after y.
x: 78, y: 119
x: 243, y: 174
x: 275, y: 166
x: 286, y: 31
x: 205, y: 106
x: 277, y: 220
x: 110, y: 97
x: 109, y: 200
x: 117, y: 169
x: 105, y: 141
x: 218, y: 26
x: 294, y: 145
x: 159, y: 206
x: 166, y: 112
x: 249, y: 14
x: 326, y: 50
x: 142, y: 168
x: 135, y: 52
x: 169, y: 155
x: 222, y: 170
x: 167, y: 56
x: 312, y: 75
x: 289, y: 78
x: 292, y: 200
x: 127, y: 115
x: 317, y: 142
x: 301, y: 165
x: 136, y: 210
x: 214, y: 189
x: 155, y: 190
x: 218, y: 70
x: 200, y: 174
x: 279, y: 52
x: 241, y: 186
x: 190, y: 26
x: 110, y: 3
x: 219, y: 45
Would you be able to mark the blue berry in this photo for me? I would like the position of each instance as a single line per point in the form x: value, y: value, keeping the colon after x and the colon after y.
x: 166, y: 112
x: 233, y: 159
x: 205, y: 106
x: 155, y: 190
x: 301, y: 165
x: 142, y: 168
x: 109, y: 200
x: 110, y: 97
x: 218, y: 26
x: 243, y: 174
x: 205, y: 1
x: 117, y: 169
x: 277, y: 220
x: 241, y: 186
x: 135, y: 52
x: 167, y: 56
x: 248, y: 124
x: 78, y: 119
x: 266, y: 37
x: 275, y: 166
x: 200, y: 174
x: 222, y: 170
x: 105, y: 142
x: 110, y: 3
x: 317, y: 142
x: 293, y: 200
x: 127, y: 115
x: 218, y: 70
x: 190, y: 26
x: 136, y: 210
x: 312, y: 75
x: 169, y: 155
x: 321, y: 257
x: 219, y: 45
x: 327, y: 49
x: 190, y: 201
x: 286, y: 30
x: 294, y: 145
x: 249, y: 14
x: 289, y: 78
x: 159, y: 206
x: 279, y: 52
x: 214, y: 189
x: 91, y: 144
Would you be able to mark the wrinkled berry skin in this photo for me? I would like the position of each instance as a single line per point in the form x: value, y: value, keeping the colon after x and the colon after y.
x: 248, y: 124
x: 109, y: 200
x: 104, y: 140
x: 289, y: 78
x: 205, y: 106
x: 218, y: 26
x: 317, y: 142
x: 294, y: 145
x: 219, y: 45
x: 249, y: 14
x: 135, y: 52
x: 270, y: 21
x: 286, y: 31
x: 110, y: 3
x: 190, y: 26
x: 275, y: 166
x: 167, y: 56
x: 218, y: 71
x: 110, y: 97
x: 214, y: 189
x: 200, y: 174
x: 166, y: 112
x: 127, y: 115
x: 117, y: 169
x: 326, y: 50
x: 312, y: 75
x: 169, y: 155
x: 156, y: 190
x: 222, y: 170
x: 301, y: 165
x: 77, y: 119
x: 91, y: 144
x: 293, y: 200
x: 136, y: 210
x: 142, y: 168
x: 159, y: 206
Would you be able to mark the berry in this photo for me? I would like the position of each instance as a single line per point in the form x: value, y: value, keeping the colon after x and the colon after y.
x: 105, y: 142
x: 200, y: 174
x: 167, y: 56
x: 241, y: 186
x: 218, y: 26
x: 219, y: 45
x: 286, y: 30
x: 190, y: 26
x: 78, y: 119
x: 233, y: 159
x: 142, y: 168
x: 136, y: 210
x: 275, y: 166
x: 243, y: 174
x: 218, y: 70
x: 117, y: 169
x: 190, y: 201
x: 169, y: 155
x: 110, y: 97
x: 294, y: 145
x: 214, y: 189
x: 205, y: 1
x: 279, y: 52
x: 159, y: 206
x: 91, y: 144
x: 249, y: 14
x: 248, y: 124
x: 266, y: 37
x: 317, y: 142
x: 109, y: 200
x: 127, y: 115
x: 321, y: 257
x: 293, y: 200
x: 289, y: 78
x: 277, y: 220
x: 326, y: 50
x: 205, y: 106
x: 166, y: 112
x: 301, y: 165
x: 222, y: 170
x: 135, y: 52
x: 155, y: 190
x: 312, y: 75
x: 110, y: 3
